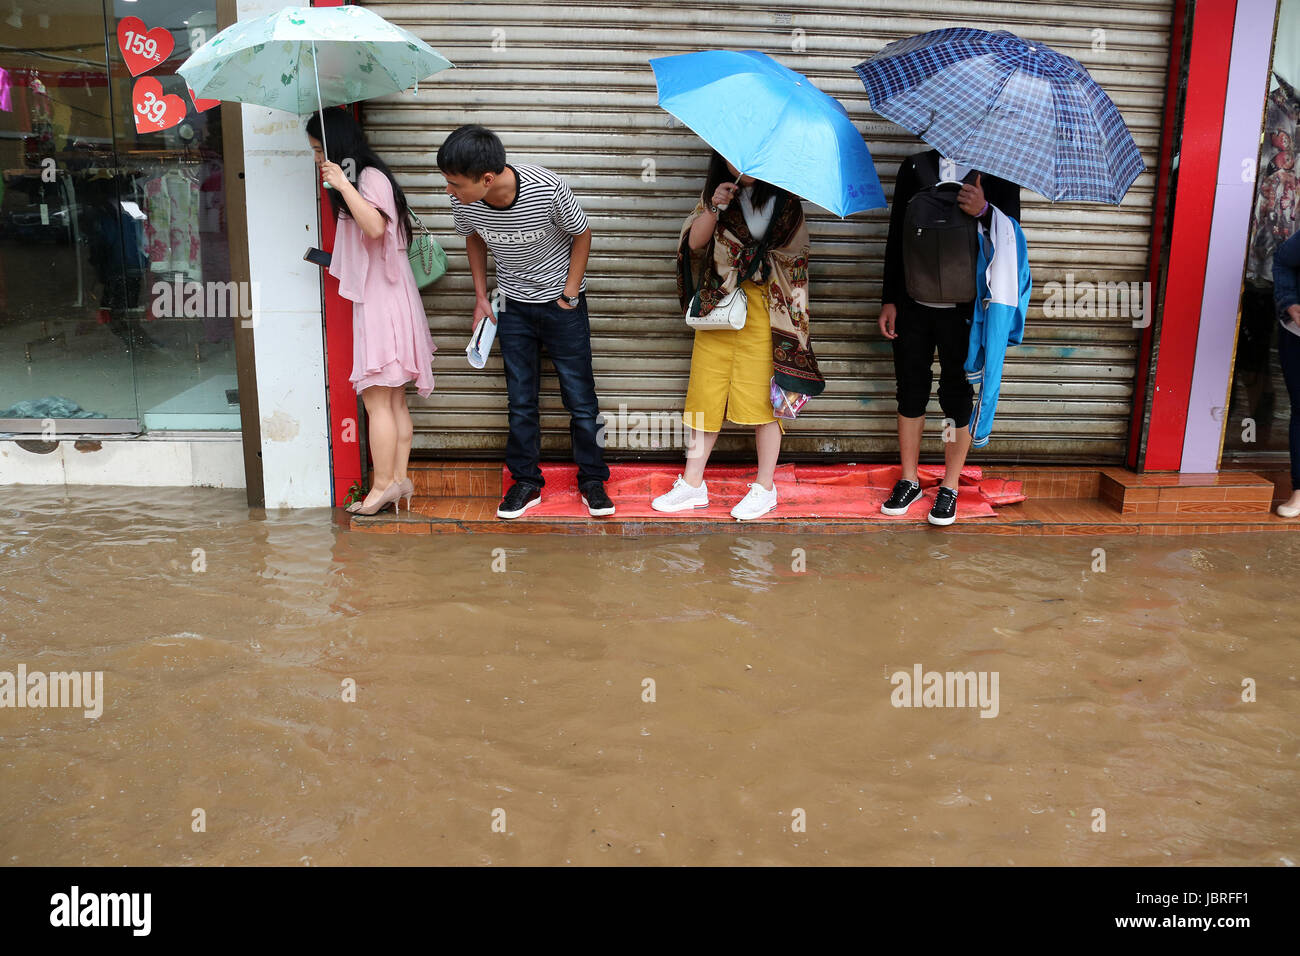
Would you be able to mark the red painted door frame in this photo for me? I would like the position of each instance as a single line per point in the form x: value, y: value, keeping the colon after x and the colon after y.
x: 1163, y: 171
x: 1198, y: 169
x: 345, y: 426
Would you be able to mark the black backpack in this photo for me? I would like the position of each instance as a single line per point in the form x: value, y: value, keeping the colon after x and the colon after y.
x: 940, y: 242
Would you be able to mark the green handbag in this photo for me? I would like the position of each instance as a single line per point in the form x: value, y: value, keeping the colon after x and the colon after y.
x: 428, y: 261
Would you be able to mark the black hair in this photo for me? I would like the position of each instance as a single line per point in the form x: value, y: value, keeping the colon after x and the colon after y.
x: 344, y: 139
x: 471, y: 151
x: 719, y: 173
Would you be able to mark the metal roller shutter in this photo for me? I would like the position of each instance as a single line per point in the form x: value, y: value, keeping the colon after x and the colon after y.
x: 568, y: 85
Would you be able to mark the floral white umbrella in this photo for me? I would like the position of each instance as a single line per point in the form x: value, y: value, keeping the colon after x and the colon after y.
x: 302, y: 59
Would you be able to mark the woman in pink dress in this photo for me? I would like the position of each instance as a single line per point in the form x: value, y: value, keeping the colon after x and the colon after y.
x: 391, y: 344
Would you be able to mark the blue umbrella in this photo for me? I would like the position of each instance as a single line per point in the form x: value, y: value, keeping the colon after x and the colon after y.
x: 1016, y: 109
x: 773, y: 124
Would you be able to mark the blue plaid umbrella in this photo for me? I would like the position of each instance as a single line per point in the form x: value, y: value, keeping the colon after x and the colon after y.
x: 1015, y: 109
x: 773, y: 124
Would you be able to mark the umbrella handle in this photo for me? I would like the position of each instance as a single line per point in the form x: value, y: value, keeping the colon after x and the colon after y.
x: 320, y: 107
x: 737, y: 183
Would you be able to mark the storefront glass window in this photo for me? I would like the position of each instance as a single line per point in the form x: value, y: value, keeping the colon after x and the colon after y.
x: 1259, y: 411
x: 116, y: 306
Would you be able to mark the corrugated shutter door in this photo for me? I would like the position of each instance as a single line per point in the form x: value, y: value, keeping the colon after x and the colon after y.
x: 567, y: 85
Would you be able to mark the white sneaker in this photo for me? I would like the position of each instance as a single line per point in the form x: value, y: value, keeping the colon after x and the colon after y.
x: 682, y: 496
x: 757, y: 503
x: 1286, y: 511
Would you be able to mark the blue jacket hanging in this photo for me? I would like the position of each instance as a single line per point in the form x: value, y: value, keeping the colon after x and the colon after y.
x: 1003, y: 287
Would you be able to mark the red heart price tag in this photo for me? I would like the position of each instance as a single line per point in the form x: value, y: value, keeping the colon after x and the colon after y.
x: 201, y: 106
x: 155, y: 112
x: 142, y: 48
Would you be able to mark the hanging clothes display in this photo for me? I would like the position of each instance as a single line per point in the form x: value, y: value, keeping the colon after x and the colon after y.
x: 40, y: 144
x: 1277, y: 209
x: 213, y: 219
x: 172, y: 234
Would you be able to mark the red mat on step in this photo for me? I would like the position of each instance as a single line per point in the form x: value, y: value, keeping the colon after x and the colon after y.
x: 804, y: 491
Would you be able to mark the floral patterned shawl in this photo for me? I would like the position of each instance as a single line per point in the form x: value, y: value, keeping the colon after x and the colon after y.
x: 785, y: 266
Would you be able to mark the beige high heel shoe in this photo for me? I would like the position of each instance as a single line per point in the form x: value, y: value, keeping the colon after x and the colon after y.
x: 409, y: 491
x: 390, y: 496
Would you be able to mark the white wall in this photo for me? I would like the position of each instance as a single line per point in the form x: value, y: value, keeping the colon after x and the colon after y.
x: 280, y: 182
x: 150, y: 461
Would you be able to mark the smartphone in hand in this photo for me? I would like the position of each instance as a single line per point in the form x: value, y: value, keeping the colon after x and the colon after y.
x: 318, y: 256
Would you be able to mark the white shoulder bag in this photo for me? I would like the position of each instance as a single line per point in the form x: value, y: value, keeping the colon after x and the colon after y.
x: 731, y: 309
x: 729, y: 313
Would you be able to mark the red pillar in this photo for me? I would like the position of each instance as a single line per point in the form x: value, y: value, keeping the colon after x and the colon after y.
x: 1198, y: 167
x: 345, y: 425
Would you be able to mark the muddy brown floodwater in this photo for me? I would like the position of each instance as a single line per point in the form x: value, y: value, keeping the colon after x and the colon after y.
x: 519, y: 700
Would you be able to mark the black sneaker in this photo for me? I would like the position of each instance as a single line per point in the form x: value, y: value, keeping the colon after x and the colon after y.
x: 944, y: 510
x: 519, y: 499
x: 904, y: 494
x: 597, y: 502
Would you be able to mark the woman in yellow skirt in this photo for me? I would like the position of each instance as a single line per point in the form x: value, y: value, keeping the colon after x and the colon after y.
x: 742, y: 227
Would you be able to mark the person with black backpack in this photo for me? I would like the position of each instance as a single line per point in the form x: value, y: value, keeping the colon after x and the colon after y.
x: 927, y: 304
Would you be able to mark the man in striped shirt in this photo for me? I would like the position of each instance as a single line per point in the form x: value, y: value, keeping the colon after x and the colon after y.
x: 540, y: 240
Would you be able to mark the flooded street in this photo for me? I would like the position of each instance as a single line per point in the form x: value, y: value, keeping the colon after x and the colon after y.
x: 706, y: 700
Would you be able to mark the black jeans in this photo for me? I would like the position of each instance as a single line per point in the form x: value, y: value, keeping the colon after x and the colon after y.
x: 1288, y: 353
x: 523, y: 328
x: 920, y: 331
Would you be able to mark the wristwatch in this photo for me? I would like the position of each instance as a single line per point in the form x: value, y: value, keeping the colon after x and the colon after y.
x: 571, y: 300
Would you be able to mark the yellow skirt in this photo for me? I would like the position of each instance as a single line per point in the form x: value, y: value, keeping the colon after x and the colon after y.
x: 731, y: 371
